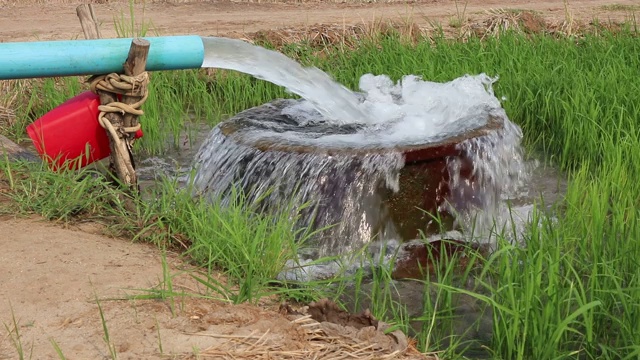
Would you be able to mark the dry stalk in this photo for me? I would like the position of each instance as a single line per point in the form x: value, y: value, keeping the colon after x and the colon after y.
x: 501, y: 20
x: 319, y: 346
x: 9, y: 90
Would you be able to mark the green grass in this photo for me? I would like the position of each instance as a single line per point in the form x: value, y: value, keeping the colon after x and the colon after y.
x: 252, y: 248
x: 14, y: 336
x: 107, y: 338
x: 569, y: 292
x: 129, y: 26
x: 57, y: 348
x: 59, y: 197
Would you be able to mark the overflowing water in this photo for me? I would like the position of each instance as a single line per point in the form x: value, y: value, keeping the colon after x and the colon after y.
x: 499, y: 173
x: 336, y: 156
x: 340, y: 191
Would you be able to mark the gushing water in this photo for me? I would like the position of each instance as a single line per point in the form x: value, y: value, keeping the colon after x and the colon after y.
x: 339, y: 192
x: 331, y: 99
x: 499, y: 172
x: 336, y: 156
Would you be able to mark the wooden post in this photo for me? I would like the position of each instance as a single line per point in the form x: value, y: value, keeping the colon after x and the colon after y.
x: 88, y: 21
x: 122, y: 162
x: 121, y: 156
x: 134, y: 66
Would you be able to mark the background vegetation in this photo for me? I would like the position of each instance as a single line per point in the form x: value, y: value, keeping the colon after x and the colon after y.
x: 572, y: 289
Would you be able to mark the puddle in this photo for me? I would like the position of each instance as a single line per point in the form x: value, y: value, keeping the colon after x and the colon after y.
x: 175, y: 163
x: 467, y: 318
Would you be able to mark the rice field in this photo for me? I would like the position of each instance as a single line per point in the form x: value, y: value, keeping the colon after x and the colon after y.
x: 571, y: 291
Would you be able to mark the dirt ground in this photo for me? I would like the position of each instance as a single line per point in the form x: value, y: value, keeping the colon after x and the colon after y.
x: 50, y: 276
x: 21, y: 20
x: 54, y: 280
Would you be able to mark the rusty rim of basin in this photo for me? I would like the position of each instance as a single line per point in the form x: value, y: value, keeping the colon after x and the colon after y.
x: 256, y: 119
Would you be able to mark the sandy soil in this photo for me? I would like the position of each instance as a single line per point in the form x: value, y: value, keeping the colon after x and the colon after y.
x: 50, y: 276
x: 20, y: 22
x: 54, y: 278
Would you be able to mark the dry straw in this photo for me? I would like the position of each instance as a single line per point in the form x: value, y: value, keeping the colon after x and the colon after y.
x: 8, y: 95
x: 324, y: 342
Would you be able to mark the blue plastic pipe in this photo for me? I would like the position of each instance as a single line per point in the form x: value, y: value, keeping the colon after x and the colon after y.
x: 22, y: 60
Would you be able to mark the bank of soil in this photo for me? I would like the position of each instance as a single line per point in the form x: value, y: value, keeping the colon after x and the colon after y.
x: 51, y: 276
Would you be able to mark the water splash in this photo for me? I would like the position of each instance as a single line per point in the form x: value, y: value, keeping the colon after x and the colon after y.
x: 498, y: 172
x: 338, y: 192
x: 296, y: 161
x: 410, y: 106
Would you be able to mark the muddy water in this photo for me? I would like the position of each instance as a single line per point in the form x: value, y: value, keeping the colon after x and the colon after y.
x: 459, y: 317
x: 175, y: 164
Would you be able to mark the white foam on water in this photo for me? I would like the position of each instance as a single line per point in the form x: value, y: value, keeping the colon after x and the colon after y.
x: 428, y: 106
x: 498, y: 171
x: 411, y: 109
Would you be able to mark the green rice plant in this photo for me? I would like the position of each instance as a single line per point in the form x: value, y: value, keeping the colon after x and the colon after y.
x: 126, y: 26
x: 59, y: 195
x: 107, y: 339
x: 604, y: 230
x: 444, y: 325
x: 461, y: 16
x: 160, y: 349
x: 164, y: 291
x: 251, y: 247
x: 548, y: 306
x: 13, y: 333
x: 560, y: 296
x: 167, y: 282
x: 57, y: 348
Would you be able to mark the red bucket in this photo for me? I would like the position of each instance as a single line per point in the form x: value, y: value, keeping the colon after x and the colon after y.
x: 70, y: 135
